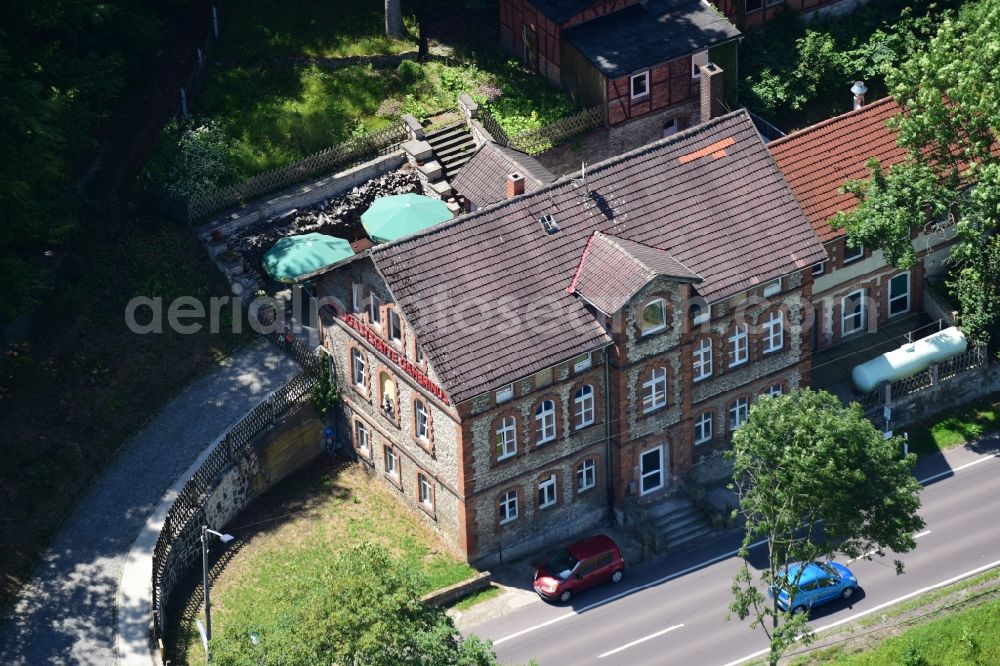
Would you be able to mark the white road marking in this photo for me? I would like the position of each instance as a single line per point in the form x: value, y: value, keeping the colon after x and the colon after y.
x: 625, y: 593
x: 641, y: 640
x: 937, y: 476
x: 875, y: 609
x: 872, y: 552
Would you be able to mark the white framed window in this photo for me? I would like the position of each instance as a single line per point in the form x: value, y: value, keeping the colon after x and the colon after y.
x: 703, y: 359
x: 853, y: 253
x: 582, y: 362
x: 505, y: 394
x: 899, y: 294
x: 586, y: 475
x: 545, y: 422
x: 418, y: 354
x: 425, y: 491
x: 374, y: 308
x: 506, y: 438
x: 358, y: 371
x: 547, y: 492
x: 639, y: 84
x: 853, y: 312
x: 421, y: 423
x: 583, y: 407
x: 670, y: 128
x: 654, y: 390
x: 395, y: 326
x: 391, y: 462
x: 819, y: 269
x: 651, y: 470
x: 774, y: 332
x: 508, y: 506
x: 773, y: 287
x: 357, y: 297
x: 363, y: 439
x: 654, y: 317
x: 699, y: 314
x: 703, y: 428
x: 739, y: 345
x: 774, y: 390
x: 697, y: 60
x: 738, y: 413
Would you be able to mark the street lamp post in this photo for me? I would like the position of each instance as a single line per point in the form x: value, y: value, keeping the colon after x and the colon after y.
x: 224, y: 538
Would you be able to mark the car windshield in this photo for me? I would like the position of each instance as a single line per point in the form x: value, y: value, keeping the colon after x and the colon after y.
x: 561, y: 564
x: 829, y: 570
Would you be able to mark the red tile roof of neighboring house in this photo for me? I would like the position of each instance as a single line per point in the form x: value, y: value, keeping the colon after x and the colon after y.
x: 818, y: 160
x: 613, y: 270
x: 486, y: 293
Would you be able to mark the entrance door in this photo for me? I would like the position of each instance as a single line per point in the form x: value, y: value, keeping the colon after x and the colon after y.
x: 651, y: 472
x: 530, y: 48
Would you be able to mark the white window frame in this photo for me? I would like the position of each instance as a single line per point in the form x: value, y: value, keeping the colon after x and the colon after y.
x: 505, y: 394
x: 819, y: 269
x: 374, y: 305
x: 545, y: 422
x: 703, y: 360
x: 582, y: 362
x: 586, y: 475
x: 505, y: 437
x: 359, y: 366
x: 703, y: 427
x: 905, y: 296
x: 860, y: 249
x: 774, y: 332
x: 364, y: 438
x: 425, y: 492
x: 357, y: 296
x: 653, y: 328
x: 643, y: 490
x: 583, y: 407
x: 739, y: 345
x: 548, y: 492
x: 775, y: 390
x: 739, y: 412
x: 644, y: 76
x: 773, y: 287
x: 862, y: 315
x: 508, y: 507
x: 697, y: 60
x: 391, y: 462
x: 421, y: 420
x: 418, y: 354
x: 395, y: 326
x: 654, y: 390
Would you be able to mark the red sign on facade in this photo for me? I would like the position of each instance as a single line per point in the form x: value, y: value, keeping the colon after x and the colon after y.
x: 400, y: 360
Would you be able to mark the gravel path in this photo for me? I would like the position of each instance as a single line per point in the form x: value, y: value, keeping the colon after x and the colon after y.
x: 65, y: 614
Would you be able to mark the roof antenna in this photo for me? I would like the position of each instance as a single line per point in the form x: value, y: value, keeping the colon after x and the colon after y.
x: 582, y: 180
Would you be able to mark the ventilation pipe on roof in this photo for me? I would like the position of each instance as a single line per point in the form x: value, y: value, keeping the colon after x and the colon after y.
x: 515, y: 185
x: 859, y: 89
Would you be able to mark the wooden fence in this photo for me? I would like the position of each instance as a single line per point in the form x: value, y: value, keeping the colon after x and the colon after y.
x: 538, y: 140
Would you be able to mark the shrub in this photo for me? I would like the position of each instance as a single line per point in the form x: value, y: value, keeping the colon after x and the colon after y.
x: 193, y: 158
x: 410, y: 72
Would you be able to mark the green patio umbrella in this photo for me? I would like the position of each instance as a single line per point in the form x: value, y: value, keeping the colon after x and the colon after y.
x: 296, y: 257
x: 400, y: 215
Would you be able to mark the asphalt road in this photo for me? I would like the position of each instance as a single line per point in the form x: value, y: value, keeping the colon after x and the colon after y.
x: 673, y: 611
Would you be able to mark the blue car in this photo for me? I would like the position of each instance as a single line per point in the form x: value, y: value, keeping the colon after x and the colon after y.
x: 819, y: 583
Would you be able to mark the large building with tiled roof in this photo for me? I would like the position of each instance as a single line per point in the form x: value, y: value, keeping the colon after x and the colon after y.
x: 548, y: 363
x: 854, y: 290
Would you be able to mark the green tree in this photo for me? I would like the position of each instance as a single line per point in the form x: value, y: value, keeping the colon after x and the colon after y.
x: 363, y: 609
x: 325, y: 394
x: 950, y: 91
x: 815, y: 479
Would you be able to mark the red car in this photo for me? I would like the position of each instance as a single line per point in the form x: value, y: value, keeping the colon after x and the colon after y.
x: 578, y: 566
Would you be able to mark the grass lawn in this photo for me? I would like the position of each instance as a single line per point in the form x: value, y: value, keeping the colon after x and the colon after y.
x: 473, y: 599
x: 320, y: 511
x: 956, y: 429
x: 82, y: 383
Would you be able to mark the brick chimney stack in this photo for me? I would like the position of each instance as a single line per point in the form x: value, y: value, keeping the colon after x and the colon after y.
x: 713, y: 94
x: 515, y: 185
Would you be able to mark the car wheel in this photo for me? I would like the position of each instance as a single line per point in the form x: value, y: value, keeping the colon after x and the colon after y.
x: 798, y: 610
x: 847, y: 593
x: 616, y: 577
x: 565, y: 596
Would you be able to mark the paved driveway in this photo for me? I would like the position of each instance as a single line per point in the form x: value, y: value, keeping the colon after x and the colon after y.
x: 65, y: 615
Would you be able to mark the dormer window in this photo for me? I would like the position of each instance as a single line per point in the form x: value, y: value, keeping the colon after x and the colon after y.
x: 654, y: 317
x: 640, y: 84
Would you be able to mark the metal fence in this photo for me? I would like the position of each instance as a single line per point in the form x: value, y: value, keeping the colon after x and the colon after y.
x: 538, y: 140
x: 873, y: 401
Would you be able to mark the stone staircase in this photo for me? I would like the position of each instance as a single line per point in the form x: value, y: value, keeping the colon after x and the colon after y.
x: 453, y: 146
x: 676, y: 523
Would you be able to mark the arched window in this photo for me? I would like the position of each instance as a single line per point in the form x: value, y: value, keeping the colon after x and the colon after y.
x: 654, y: 390
x: 545, y: 422
x: 654, y: 317
x: 583, y: 407
x: 388, y: 397
x: 421, y: 422
x: 506, y: 437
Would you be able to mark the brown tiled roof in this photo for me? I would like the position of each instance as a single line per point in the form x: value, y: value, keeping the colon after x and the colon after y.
x: 487, y: 292
x: 613, y: 270
x: 483, y: 179
x: 818, y: 160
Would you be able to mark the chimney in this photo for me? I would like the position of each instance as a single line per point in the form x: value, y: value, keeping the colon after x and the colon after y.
x: 515, y: 185
x: 713, y: 95
x: 859, y: 91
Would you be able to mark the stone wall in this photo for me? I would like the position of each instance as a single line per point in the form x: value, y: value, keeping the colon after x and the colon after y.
x: 636, y: 133
x: 953, y: 392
